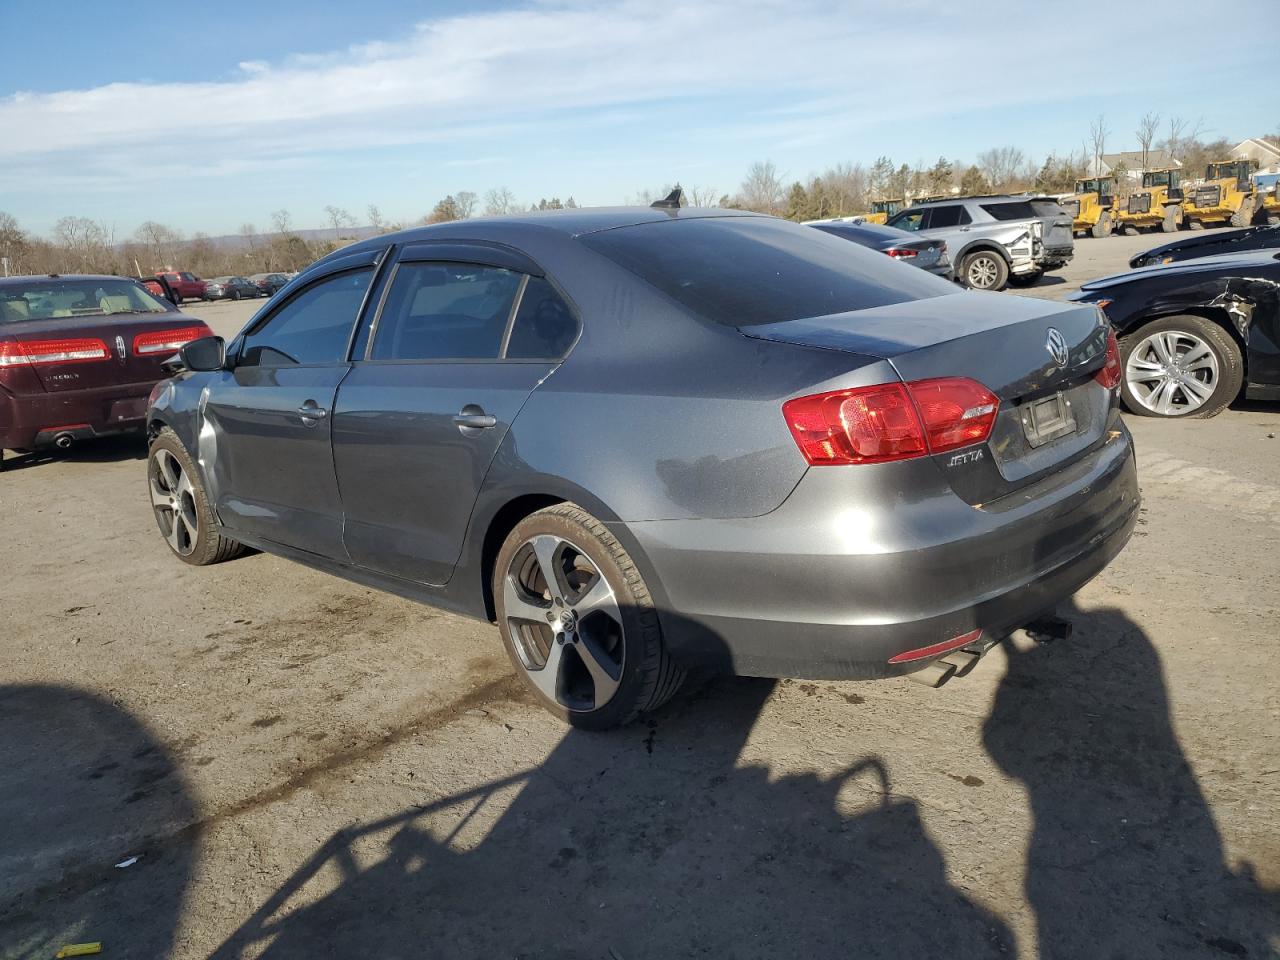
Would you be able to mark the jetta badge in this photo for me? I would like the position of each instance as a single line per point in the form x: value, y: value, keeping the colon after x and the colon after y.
x: 1056, y: 344
x: 120, y: 348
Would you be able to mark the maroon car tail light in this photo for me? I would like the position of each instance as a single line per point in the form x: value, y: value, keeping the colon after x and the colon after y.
x: 1109, y: 375
x: 937, y: 649
x: 166, y: 341
x: 901, y: 253
x: 27, y: 353
x: 891, y: 421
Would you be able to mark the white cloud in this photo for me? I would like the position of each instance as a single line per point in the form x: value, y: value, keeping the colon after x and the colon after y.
x: 807, y: 73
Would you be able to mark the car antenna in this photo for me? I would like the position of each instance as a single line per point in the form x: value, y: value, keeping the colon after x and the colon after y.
x: 671, y: 201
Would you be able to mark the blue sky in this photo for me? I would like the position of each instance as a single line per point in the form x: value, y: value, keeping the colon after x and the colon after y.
x: 209, y: 119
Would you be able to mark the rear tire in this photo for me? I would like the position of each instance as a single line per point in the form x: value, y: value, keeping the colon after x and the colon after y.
x: 1201, y: 350
x: 1103, y: 227
x: 570, y: 600
x: 1172, y: 221
x: 1244, y: 216
x: 179, y: 501
x: 1129, y: 230
x: 1195, y: 224
x: 984, y: 270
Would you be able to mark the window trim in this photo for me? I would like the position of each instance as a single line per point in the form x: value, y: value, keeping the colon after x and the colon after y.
x: 504, y: 344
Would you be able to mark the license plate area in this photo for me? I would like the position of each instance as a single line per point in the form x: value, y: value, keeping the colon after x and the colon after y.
x: 1047, y: 419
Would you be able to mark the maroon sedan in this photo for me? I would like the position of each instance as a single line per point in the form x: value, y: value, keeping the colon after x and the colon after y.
x: 79, y: 356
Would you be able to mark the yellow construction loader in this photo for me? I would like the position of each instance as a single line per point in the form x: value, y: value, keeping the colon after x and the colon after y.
x: 1158, y: 203
x: 1225, y: 196
x: 882, y: 210
x: 1090, y: 206
x: 1270, y: 202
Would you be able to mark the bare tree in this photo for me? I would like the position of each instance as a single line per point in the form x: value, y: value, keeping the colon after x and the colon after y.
x: 764, y: 188
x: 1098, y: 140
x: 160, y: 243
x: 465, y: 201
x: 375, y: 217
x: 1146, y: 134
x: 500, y: 202
x: 338, y: 218
x: 1002, y: 166
x: 13, y: 243
x: 1181, y: 134
x: 701, y: 196
x: 282, y: 221
x: 81, y: 241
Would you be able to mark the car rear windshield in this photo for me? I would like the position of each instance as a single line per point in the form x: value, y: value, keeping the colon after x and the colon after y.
x: 1047, y: 208
x: 47, y: 297
x: 742, y: 271
x: 1010, y: 210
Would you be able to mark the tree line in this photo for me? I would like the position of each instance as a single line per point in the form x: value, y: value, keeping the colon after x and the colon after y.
x: 82, y: 245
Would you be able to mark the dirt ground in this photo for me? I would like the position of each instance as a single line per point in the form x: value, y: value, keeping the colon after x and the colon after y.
x: 306, y: 768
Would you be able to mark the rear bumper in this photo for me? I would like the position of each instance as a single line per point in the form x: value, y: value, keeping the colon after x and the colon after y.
x: 829, y: 587
x: 29, y: 421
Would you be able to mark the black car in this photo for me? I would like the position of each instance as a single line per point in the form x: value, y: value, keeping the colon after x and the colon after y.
x: 269, y: 283
x: 1192, y: 334
x: 1210, y: 245
x: 926, y: 254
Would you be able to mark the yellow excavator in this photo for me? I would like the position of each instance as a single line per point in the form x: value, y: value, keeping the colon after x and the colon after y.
x: 1090, y: 206
x: 882, y: 210
x: 1226, y: 196
x: 1158, y: 203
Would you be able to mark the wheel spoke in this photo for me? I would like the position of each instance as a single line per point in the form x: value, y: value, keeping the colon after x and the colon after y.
x: 159, y: 498
x: 545, y: 548
x: 1196, y: 391
x: 184, y: 486
x: 548, y: 678
x: 1199, y: 352
x: 1138, y: 364
x: 516, y: 606
x: 168, y: 469
x: 598, y: 598
x: 1162, y: 397
x: 605, y: 674
x: 1165, y: 346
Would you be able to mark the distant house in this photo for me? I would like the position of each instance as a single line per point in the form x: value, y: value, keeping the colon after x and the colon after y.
x: 1265, y: 152
x: 1131, y: 161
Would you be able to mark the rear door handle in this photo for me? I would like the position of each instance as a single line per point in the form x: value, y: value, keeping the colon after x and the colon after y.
x: 313, y: 412
x: 473, y: 417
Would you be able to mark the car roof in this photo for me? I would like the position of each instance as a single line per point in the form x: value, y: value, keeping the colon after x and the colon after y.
x: 1243, y: 259
x: 27, y: 278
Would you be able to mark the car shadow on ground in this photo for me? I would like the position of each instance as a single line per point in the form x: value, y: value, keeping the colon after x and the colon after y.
x: 84, y: 786
x: 617, y: 850
x: 101, y: 450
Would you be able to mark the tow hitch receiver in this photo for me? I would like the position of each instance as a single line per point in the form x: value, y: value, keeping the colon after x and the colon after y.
x: 959, y: 662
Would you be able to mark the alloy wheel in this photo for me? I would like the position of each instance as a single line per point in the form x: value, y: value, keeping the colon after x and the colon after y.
x: 1172, y: 372
x: 982, y: 273
x: 173, y: 500
x: 564, y: 622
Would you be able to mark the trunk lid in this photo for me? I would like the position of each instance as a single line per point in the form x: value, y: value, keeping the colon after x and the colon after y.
x: 117, y: 332
x: 1003, y: 342
x: 1057, y: 222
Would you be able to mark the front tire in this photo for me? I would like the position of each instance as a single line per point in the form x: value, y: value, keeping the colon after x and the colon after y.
x: 1179, y: 367
x: 1103, y: 227
x: 181, y: 507
x: 984, y: 270
x: 578, y: 621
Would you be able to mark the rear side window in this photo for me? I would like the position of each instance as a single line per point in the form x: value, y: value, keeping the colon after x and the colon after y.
x: 912, y: 220
x: 953, y: 215
x: 313, y: 327
x: 445, y: 311
x: 544, y: 326
x: 741, y: 271
x: 1010, y: 210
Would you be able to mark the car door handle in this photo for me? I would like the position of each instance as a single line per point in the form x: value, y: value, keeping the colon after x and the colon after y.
x: 311, y: 411
x: 473, y: 417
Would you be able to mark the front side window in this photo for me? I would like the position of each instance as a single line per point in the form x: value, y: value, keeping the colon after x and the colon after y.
x: 912, y: 220
x: 312, y: 327
x: 953, y: 215
x: 445, y: 311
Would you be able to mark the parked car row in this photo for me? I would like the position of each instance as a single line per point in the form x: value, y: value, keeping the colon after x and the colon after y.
x: 985, y: 243
x: 187, y: 286
x: 637, y: 439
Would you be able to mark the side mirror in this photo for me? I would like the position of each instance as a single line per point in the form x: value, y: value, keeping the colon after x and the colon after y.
x: 207, y: 353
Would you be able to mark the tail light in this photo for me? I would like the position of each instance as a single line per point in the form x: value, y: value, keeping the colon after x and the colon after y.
x: 1109, y: 375
x: 901, y: 253
x: 891, y: 421
x: 23, y: 353
x: 166, y: 341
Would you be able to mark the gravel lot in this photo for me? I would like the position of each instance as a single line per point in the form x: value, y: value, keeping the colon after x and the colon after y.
x: 306, y: 768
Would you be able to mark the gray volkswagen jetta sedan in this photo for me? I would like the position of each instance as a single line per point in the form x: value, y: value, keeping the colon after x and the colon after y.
x: 650, y: 441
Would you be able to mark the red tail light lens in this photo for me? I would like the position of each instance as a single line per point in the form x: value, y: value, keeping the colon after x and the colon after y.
x: 891, y: 421
x: 167, y: 341
x: 901, y: 253
x: 23, y: 353
x: 1109, y: 375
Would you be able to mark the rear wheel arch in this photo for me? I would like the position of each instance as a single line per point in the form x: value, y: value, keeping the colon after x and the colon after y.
x: 983, y: 245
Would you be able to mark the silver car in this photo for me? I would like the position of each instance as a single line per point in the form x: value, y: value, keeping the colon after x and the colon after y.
x: 643, y: 442
x: 995, y: 241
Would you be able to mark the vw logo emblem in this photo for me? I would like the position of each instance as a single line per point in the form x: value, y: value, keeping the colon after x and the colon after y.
x: 1056, y: 344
